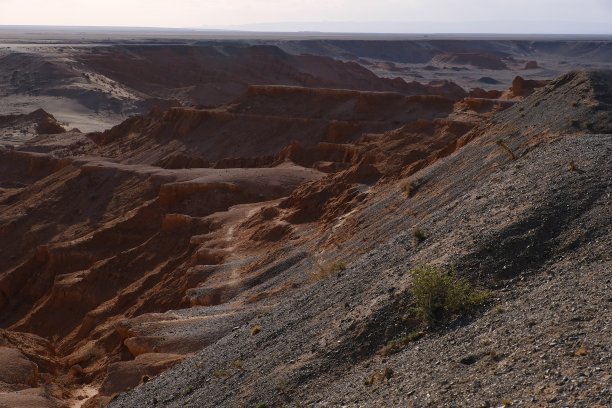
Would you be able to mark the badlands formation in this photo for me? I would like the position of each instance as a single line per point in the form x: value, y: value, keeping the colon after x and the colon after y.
x: 225, y: 223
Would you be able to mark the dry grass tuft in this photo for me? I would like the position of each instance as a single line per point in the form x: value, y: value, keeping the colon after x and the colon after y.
x: 238, y: 365
x: 504, y: 146
x: 407, y: 189
x: 379, y: 377
x: 255, y: 330
x: 325, y: 271
x: 399, y: 344
x: 581, y: 352
x: 222, y: 374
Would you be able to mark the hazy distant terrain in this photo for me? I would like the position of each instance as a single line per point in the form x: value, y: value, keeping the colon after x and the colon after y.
x: 51, y: 68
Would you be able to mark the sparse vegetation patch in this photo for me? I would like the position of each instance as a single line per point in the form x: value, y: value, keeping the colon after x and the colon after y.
x: 407, y: 189
x: 283, y: 388
x: 419, y: 234
x: 581, y: 352
x: 439, y: 294
x: 379, y: 377
x: 222, y: 374
x: 328, y: 270
x: 400, y: 343
x: 238, y: 364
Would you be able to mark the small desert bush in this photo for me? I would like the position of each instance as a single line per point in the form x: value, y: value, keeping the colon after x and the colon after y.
x: 282, y: 387
x: 407, y: 189
x: 379, y: 377
x: 419, y: 234
x: 439, y: 294
x: 238, y: 364
x: 255, y: 330
x: 328, y: 270
x: 222, y: 374
x: 581, y: 352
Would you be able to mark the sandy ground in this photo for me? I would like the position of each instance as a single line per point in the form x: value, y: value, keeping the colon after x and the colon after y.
x: 34, y: 76
x: 68, y: 111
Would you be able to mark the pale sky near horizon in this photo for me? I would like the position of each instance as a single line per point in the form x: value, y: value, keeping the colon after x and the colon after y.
x: 370, y: 15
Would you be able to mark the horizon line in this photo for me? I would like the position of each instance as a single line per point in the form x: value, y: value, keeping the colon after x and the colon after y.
x: 236, y: 30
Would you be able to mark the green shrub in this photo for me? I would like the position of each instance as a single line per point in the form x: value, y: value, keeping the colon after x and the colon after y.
x: 439, y: 294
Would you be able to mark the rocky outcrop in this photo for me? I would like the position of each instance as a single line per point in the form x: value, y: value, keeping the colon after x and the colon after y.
x: 16, y: 369
x: 125, y: 375
x: 258, y: 126
x: 525, y: 87
x: 476, y: 60
x: 216, y: 74
x: 481, y: 93
x: 27, y: 365
x: 38, y: 122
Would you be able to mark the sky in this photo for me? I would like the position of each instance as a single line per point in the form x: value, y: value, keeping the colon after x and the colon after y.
x: 521, y: 16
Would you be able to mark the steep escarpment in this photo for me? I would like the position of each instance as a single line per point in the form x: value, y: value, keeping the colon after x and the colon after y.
x: 216, y: 74
x: 188, y: 210
x: 110, y: 241
x: 262, y: 123
x: 520, y: 211
x: 491, y: 63
x: 95, y: 87
x: 260, y: 247
x: 587, y: 106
